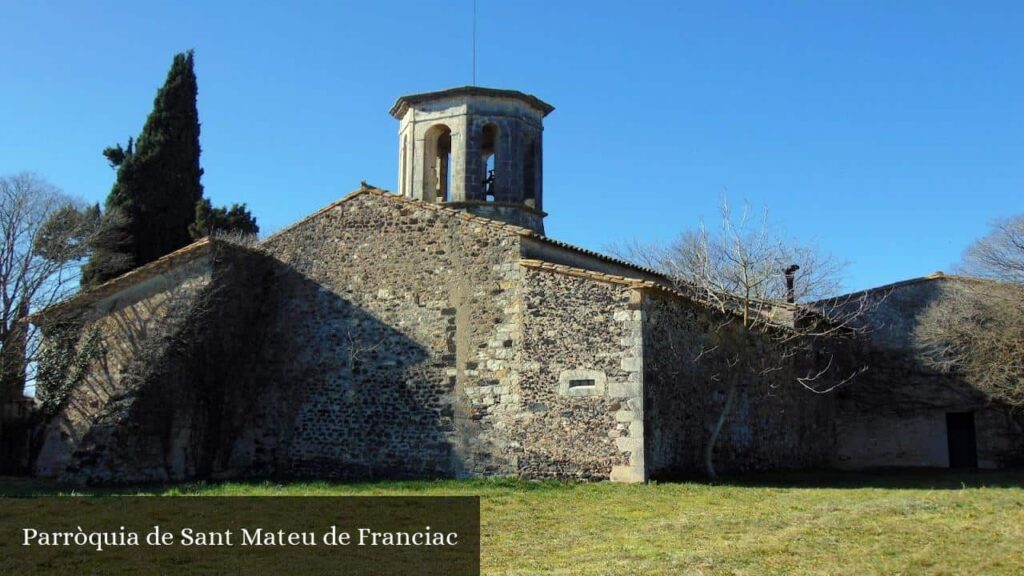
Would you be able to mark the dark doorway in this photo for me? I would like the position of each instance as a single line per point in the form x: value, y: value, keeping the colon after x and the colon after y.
x: 963, y: 446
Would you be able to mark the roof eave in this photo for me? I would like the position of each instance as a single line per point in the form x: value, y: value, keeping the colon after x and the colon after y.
x: 130, y: 278
x: 403, y: 103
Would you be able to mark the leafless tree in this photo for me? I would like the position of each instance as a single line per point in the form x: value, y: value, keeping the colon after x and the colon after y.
x: 1000, y: 254
x: 780, y: 290
x: 976, y: 327
x: 44, y: 234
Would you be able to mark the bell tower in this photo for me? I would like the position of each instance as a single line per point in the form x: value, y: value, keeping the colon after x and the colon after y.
x: 476, y: 149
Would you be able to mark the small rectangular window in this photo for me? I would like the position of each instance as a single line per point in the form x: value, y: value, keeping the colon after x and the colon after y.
x: 582, y: 383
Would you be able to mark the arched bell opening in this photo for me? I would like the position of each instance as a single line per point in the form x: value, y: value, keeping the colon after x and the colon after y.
x: 403, y: 167
x: 437, y: 160
x: 530, y: 161
x: 489, y: 151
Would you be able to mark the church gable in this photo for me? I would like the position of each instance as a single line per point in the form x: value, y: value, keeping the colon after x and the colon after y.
x: 437, y: 333
x: 391, y: 315
x: 413, y: 228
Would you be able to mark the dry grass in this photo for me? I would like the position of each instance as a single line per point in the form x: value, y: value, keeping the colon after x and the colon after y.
x: 892, y: 523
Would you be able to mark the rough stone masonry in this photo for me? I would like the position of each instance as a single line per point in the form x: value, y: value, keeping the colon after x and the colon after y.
x: 436, y: 333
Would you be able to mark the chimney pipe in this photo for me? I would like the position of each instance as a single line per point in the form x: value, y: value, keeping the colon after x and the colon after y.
x: 790, y: 281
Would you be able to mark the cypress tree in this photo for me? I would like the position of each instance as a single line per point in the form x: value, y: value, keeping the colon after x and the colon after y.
x: 153, y: 202
x: 210, y: 220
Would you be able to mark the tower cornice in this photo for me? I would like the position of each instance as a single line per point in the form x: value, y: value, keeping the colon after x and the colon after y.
x: 404, y: 102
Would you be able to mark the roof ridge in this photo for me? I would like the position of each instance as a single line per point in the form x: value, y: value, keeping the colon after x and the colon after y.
x: 463, y: 215
x: 114, y: 285
x: 603, y: 277
x: 937, y: 275
x: 598, y: 255
x: 383, y: 193
x: 364, y: 188
x: 584, y: 273
x: 630, y: 282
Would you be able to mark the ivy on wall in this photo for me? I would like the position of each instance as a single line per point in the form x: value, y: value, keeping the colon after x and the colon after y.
x: 63, y: 364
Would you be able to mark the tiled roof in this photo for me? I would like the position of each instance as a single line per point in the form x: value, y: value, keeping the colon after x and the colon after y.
x: 115, y: 285
x: 200, y: 247
x: 602, y: 277
x: 463, y: 215
x: 649, y: 285
x: 584, y: 273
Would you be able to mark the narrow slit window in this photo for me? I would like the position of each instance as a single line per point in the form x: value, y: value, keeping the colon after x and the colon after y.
x: 582, y: 383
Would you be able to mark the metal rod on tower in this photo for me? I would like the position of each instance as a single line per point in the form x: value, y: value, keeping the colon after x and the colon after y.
x: 474, y: 42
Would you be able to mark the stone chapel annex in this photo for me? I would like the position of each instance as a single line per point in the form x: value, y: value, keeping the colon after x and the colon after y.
x: 438, y: 333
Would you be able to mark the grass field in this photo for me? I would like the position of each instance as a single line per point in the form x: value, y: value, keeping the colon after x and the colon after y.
x: 823, y: 523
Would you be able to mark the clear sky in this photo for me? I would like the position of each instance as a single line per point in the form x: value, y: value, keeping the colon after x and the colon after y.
x: 891, y: 135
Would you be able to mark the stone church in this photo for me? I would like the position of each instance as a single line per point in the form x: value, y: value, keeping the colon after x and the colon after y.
x: 439, y: 333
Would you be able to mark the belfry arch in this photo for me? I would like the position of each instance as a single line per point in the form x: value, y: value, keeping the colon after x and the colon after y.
x: 531, y: 173
x: 474, y: 149
x: 437, y: 157
x: 489, y: 149
x: 403, y: 162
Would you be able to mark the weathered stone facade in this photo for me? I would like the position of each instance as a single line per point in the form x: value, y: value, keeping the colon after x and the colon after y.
x: 399, y: 324
x: 690, y: 359
x: 384, y: 337
x: 443, y: 336
x: 391, y: 338
x: 168, y: 370
x: 580, y: 382
x: 895, y: 414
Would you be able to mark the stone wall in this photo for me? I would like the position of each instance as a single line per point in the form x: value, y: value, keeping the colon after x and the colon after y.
x: 394, y: 333
x: 418, y: 346
x: 688, y: 362
x: 164, y: 399
x: 389, y: 338
x: 580, y: 382
x: 131, y: 325
x: 895, y: 414
x: 379, y: 338
x: 510, y: 212
x: 18, y: 418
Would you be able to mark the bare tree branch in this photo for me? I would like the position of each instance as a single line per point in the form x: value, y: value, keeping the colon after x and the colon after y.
x: 976, y: 329
x: 781, y: 290
x: 1000, y: 254
x: 44, y: 235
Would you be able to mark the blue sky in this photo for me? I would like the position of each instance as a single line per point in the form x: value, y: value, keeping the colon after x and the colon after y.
x: 889, y: 135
